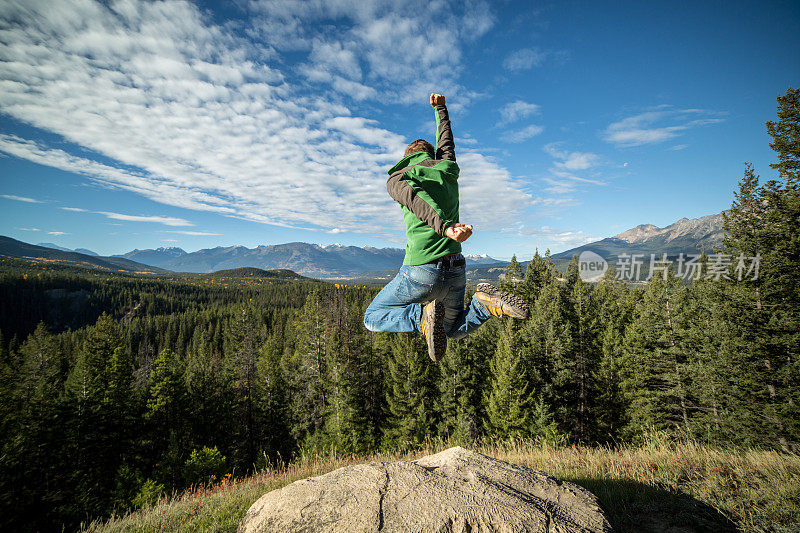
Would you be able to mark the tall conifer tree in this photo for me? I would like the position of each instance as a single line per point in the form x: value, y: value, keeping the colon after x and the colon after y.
x: 508, y: 400
x: 411, y: 391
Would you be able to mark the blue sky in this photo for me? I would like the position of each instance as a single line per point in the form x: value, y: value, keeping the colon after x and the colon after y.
x: 130, y: 124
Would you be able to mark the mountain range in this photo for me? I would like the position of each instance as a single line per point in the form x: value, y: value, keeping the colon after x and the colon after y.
x: 686, y: 235
x: 311, y: 260
x: 338, y: 261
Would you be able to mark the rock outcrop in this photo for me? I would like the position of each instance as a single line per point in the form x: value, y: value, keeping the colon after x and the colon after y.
x: 456, y: 490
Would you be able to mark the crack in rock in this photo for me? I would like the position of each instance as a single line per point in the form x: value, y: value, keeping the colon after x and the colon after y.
x: 380, y: 501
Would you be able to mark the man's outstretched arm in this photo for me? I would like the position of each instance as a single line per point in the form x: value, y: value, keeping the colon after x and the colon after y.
x: 445, y: 144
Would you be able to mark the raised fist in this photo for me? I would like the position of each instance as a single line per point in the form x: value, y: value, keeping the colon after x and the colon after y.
x: 437, y: 99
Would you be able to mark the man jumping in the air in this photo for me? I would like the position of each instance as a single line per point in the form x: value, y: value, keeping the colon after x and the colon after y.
x: 425, y: 183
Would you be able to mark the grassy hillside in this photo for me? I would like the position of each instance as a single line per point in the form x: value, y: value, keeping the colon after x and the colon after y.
x: 658, y: 486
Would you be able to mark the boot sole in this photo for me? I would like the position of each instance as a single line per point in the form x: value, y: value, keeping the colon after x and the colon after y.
x: 508, y: 303
x: 437, y: 339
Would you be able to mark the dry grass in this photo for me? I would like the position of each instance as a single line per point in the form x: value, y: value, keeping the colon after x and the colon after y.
x: 663, y: 484
x: 659, y: 486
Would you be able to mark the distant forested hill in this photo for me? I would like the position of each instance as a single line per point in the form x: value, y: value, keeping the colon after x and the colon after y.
x: 21, y: 250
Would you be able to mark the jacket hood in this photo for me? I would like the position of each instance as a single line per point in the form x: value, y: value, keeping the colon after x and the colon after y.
x: 410, y: 159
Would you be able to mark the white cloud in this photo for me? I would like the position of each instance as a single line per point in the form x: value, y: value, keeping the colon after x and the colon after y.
x: 198, y: 116
x: 74, y: 209
x: 195, y: 233
x: 571, y: 161
x: 516, y: 110
x: 558, y: 237
x: 113, y: 177
x: 566, y: 165
x: 58, y: 233
x: 21, y: 198
x: 657, y: 126
x: 336, y: 57
x: 29, y: 229
x: 522, y: 135
x: 488, y: 196
x: 524, y: 59
x: 391, y: 46
x: 365, y: 131
x: 466, y: 141
x: 557, y: 186
x: 167, y: 221
x: 554, y: 202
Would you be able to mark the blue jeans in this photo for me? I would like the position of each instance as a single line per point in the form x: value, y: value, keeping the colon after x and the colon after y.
x: 398, y: 307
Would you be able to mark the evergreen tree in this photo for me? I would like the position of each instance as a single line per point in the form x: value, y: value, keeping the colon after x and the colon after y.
x: 764, y: 226
x: 122, y: 413
x: 745, y: 217
x: 306, y: 369
x: 781, y: 286
x: 785, y: 135
x: 508, y: 400
x: 164, y: 412
x: 539, y: 273
x: 33, y: 458
x: 410, y: 391
x: 95, y: 441
x: 89, y: 379
x: 349, y: 364
x: 273, y: 401
x: 461, y: 384
x: 615, y: 303
x: 511, y: 276
x: 209, y: 399
x: 548, y: 363
x: 722, y: 374
x: 242, y: 359
x: 655, y: 376
x: 120, y: 373
x: 584, y: 353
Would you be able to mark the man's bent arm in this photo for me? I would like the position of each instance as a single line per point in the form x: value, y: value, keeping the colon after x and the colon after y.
x: 445, y: 144
x: 425, y: 209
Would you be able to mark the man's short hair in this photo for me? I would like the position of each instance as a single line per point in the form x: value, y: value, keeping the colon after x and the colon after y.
x: 420, y: 145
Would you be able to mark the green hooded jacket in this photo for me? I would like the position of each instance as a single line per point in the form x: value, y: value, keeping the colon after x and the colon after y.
x: 427, y: 190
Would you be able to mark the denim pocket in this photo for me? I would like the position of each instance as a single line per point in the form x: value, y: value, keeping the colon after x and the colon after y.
x: 419, y: 281
x: 425, y: 274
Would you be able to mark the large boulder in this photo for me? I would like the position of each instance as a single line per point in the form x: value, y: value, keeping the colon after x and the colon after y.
x: 456, y: 490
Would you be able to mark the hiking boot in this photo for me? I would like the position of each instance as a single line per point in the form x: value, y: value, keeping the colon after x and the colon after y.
x: 431, y: 326
x: 499, y: 303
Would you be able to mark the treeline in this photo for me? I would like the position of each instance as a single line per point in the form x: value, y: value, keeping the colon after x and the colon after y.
x: 168, y: 382
x: 100, y: 418
x: 70, y: 298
